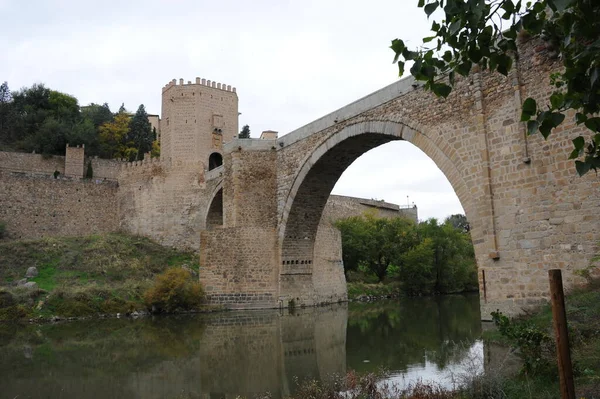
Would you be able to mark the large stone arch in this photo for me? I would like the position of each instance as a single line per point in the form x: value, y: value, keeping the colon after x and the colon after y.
x: 301, y: 214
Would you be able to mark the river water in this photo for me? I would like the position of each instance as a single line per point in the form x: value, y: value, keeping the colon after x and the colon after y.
x: 226, y: 354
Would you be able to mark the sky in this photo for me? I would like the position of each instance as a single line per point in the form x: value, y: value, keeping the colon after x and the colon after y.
x: 291, y: 62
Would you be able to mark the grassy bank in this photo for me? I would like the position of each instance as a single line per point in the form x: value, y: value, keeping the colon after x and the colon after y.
x: 532, y: 335
x: 82, y: 276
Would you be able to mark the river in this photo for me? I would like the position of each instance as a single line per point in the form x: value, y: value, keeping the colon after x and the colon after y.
x: 222, y: 355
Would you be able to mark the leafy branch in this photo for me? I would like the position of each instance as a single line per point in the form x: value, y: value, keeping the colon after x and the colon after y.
x: 473, y: 33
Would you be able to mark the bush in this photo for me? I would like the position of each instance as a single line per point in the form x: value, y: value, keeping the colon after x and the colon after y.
x: 174, y: 289
x: 535, y: 346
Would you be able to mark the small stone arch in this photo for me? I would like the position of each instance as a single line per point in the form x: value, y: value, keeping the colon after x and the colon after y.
x: 214, y: 214
x: 215, y: 160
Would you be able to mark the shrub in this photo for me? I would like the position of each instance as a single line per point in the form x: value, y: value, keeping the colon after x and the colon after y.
x: 535, y: 346
x: 89, y: 173
x: 172, y: 290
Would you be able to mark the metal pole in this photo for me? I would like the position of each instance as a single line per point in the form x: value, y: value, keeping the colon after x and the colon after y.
x: 563, y: 352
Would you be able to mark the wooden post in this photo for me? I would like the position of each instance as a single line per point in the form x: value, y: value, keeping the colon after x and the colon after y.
x: 563, y: 352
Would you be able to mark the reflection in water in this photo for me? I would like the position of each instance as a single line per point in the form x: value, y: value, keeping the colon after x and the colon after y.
x: 235, y: 353
x: 417, y: 338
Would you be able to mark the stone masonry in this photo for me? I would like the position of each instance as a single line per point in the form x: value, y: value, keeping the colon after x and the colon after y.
x: 260, y: 211
x: 528, y: 209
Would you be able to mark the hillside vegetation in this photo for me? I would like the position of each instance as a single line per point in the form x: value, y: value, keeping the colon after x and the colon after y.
x: 79, y: 276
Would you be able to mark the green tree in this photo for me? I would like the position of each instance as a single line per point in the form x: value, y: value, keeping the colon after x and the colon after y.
x: 486, y: 32
x: 97, y: 114
x: 453, y: 258
x: 6, y: 112
x: 374, y: 243
x: 140, y: 134
x: 458, y: 221
x: 245, y: 133
x: 113, y: 135
x: 44, y: 120
x: 417, y: 270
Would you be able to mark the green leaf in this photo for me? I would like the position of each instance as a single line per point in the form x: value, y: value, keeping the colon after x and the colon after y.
x: 528, y: 110
x: 464, y: 68
x: 400, y: 68
x: 421, y: 3
x: 409, y: 55
x: 557, y: 100
x: 580, y: 118
x: 504, y: 64
x: 454, y: 27
x: 546, y: 128
x: 594, y: 76
x: 532, y: 127
x: 593, y: 124
x: 431, y: 7
x: 582, y: 167
x: 474, y: 53
x: 579, y: 143
x: 428, y: 39
x: 398, y: 47
x: 574, y: 154
x: 557, y: 118
x: 441, y: 89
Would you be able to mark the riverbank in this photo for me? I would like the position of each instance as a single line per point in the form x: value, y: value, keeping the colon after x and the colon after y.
x: 531, y: 339
x: 78, y: 277
x: 368, y: 292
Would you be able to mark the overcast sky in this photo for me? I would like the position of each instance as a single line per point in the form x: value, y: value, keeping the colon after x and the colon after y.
x: 291, y: 61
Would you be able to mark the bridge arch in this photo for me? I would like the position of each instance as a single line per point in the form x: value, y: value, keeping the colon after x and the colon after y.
x: 214, y: 212
x: 321, y: 169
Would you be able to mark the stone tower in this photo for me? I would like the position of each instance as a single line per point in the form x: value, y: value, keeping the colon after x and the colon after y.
x: 197, y: 118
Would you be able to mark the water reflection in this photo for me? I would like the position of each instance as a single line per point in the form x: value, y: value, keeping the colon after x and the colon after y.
x: 235, y: 353
x: 417, y: 338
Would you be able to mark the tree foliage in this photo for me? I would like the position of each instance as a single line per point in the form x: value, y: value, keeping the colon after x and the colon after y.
x: 140, y: 134
x: 245, y: 133
x: 113, y: 136
x: 486, y: 32
x: 43, y: 120
x: 427, y: 258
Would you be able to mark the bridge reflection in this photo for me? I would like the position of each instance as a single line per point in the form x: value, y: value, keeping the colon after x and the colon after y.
x: 250, y: 353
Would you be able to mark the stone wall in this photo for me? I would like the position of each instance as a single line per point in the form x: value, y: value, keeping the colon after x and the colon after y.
x: 242, y: 271
x: 37, y: 207
x: 340, y: 206
x: 197, y: 118
x: 164, y: 202
x: 31, y: 163
x: 528, y: 210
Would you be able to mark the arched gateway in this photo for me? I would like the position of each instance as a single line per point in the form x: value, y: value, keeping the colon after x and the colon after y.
x: 528, y: 210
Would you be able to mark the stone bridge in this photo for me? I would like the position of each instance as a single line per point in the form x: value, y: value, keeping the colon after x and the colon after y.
x: 528, y: 210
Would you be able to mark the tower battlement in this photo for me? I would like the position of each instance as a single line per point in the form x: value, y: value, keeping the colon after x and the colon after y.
x: 202, y: 82
x: 197, y: 119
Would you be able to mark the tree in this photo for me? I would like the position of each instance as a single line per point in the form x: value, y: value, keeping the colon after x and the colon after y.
x: 245, y: 133
x: 474, y: 32
x: 459, y: 222
x: 6, y: 111
x: 97, y: 114
x: 112, y: 137
x: 140, y: 134
x: 453, y: 257
x: 374, y: 243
